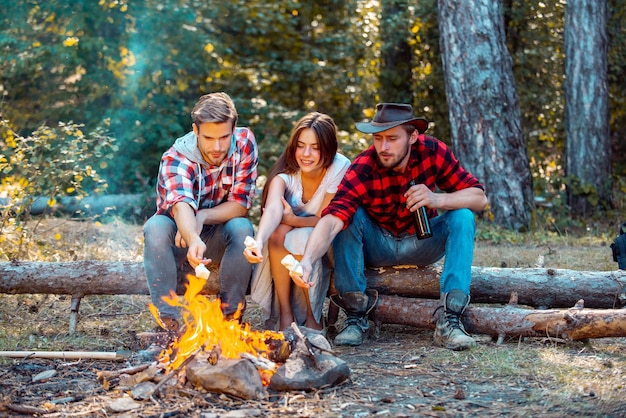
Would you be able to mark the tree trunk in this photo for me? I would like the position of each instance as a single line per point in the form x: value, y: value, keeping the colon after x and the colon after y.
x: 588, y: 149
x: 537, y: 287
x: 575, y: 323
x: 396, y: 56
x: 90, y: 205
x: 485, y: 118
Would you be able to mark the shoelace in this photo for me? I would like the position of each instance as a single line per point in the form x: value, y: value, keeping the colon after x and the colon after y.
x: 452, y: 318
x: 355, y: 321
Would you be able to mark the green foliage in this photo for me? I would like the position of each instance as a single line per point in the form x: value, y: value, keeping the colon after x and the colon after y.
x: 50, y: 163
x: 142, y: 64
x: 428, y: 80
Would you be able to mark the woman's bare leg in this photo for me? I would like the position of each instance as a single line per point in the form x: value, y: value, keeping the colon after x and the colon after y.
x: 310, y: 318
x: 280, y: 275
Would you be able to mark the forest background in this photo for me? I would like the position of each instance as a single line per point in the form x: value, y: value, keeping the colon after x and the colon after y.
x: 93, y: 92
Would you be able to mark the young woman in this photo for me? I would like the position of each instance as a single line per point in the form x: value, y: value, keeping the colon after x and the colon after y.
x: 300, y: 184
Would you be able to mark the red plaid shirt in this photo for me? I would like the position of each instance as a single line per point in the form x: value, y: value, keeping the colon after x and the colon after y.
x: 181, y: 179
x: 380, y: 191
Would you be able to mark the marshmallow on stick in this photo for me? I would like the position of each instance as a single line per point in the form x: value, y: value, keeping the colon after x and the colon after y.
x: 202, y: 272
x: 250, y: 243
x: 292, y: 264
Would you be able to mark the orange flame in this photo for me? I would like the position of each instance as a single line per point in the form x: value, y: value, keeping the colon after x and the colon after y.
x: 205, y: 328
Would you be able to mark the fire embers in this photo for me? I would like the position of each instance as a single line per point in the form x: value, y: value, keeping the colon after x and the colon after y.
x: 307, y: 364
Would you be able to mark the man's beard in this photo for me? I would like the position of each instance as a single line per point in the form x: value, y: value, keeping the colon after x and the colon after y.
x: 395, y: 163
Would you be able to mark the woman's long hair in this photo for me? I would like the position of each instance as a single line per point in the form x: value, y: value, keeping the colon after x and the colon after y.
x: 326, y: 133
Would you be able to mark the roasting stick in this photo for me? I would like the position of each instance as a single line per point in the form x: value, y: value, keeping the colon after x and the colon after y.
x: 68, y: 355
x: 175, y: 371
x: 307, y: 343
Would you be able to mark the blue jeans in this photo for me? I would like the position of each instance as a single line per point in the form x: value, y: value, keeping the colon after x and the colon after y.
x: 365, y: 244
x: 166, y: 265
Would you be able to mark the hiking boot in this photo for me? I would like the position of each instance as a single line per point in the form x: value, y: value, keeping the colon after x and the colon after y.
x: 353, y: 332
x: 357, y: 306
x: 450, y: 332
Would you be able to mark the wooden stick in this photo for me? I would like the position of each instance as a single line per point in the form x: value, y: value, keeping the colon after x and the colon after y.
x: 109, y: 374
x: 68, y: 355
x: 173, y: 372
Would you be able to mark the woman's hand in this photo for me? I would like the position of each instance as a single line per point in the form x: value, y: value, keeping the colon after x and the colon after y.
x: 288, y: 215
x: 254, y: 253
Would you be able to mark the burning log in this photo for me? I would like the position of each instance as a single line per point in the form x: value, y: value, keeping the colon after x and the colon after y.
x: 235, y: 377
x: 536, y: 287
x: 576, y: 323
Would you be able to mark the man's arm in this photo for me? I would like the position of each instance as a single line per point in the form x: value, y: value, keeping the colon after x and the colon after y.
x: 221, y: 213
x: 317, y: 245
x: 188, y: 231
x: 472, y: 198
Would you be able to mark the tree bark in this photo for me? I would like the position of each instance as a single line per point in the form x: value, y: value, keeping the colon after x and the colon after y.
x: 575, y: 323
x: 485, y: 117
x: 536, y: 287
x: 588, y: 149
x: 396, y: 56
x: 82, y: 278
x: 90, y: 205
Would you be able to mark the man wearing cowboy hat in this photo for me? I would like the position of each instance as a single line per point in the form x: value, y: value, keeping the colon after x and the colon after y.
x: 372, y: 223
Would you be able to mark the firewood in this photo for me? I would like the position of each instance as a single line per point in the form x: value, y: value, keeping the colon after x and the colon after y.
x: 537, y: 287
x: 577, y: 323
x: 109, y: 374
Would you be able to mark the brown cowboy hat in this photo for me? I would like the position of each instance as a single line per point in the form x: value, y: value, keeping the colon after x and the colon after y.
x: 390, y: 115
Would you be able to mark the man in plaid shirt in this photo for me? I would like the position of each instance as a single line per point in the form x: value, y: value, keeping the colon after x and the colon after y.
x: 371, y: 220
x: 205, y: 188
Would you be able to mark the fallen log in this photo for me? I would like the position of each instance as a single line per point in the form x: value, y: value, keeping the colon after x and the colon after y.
x: 86, y: 206
x: 576, y: 323
x: 536, y: 287
x: 533, y: 286
x: 83, y: 278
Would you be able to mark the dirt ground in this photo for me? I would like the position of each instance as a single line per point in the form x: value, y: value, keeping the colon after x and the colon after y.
x: 396, y: 372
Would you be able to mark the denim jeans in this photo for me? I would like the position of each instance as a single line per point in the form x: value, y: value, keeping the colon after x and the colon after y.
x: 365, y: 244
x: 166, y: 265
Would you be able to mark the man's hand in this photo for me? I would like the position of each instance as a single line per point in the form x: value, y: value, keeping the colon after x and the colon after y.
x: 195, y: 253
x: 297, y: 272
x: 418, y: 196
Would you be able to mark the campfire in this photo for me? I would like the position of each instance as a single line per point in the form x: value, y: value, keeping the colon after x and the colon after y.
x: 228, y: 356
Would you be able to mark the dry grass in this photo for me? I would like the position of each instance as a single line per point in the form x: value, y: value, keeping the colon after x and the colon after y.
x: 543, y: 372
